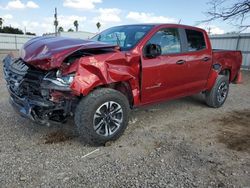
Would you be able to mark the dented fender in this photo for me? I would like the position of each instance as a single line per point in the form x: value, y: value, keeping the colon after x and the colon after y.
x: 105, y: 69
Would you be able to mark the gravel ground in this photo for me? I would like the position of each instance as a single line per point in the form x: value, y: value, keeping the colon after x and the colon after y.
x: 181, y: 143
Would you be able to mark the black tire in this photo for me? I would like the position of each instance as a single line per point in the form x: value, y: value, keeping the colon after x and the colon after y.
x: 89, y: 110
x: 217, y: 96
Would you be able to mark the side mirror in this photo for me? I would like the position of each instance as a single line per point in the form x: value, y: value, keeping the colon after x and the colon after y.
x: 152, y: 50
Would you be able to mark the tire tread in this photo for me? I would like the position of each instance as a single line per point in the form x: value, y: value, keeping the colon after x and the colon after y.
x: 211, y: 99
x: 86, y: 108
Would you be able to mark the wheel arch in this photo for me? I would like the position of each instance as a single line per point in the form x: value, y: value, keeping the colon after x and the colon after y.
x: 226, y: 72
x: 217, y: 70
x: 123, y: 87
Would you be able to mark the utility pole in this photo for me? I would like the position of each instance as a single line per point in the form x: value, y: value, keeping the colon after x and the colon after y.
x: 209, y: 30
x: 56, y: 21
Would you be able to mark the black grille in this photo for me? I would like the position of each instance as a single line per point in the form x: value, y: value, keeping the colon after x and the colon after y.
x: 23, y: 79
x: 31, y: 82
x: 18, y: 67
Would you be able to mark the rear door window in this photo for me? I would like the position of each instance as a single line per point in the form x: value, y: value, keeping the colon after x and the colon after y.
x: 195, y: 40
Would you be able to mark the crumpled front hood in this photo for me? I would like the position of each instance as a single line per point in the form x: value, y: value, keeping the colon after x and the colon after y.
x: 49, y: 52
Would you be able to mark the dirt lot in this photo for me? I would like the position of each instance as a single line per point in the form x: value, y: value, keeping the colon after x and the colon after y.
x: 180, y: 143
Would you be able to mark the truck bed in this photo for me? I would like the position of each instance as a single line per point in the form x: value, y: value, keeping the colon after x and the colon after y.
x: 228, y: 59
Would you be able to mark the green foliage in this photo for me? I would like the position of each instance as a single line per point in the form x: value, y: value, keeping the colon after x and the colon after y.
x: 29, y: 33
x: 60, y: 29
x: 76, y: 25
x: 98, y: 25
x: 9, y: 29
x: 1, y: 22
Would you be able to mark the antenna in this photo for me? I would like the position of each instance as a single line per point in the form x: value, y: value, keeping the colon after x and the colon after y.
x: 179, y: 21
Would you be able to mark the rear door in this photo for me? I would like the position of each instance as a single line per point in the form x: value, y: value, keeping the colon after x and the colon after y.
x: 198, y: 59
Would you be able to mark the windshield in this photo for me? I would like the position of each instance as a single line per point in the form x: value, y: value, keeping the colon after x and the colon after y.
x: 124, y: 36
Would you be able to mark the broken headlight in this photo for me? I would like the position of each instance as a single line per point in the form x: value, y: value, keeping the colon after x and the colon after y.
x: 67, y: 79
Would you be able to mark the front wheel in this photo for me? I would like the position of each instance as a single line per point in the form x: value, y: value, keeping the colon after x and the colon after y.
x: 102, y: 116
x: 217, y: 96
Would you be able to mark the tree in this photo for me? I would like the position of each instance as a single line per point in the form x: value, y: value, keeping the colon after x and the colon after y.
x: 1, y: 23
x: 70, y: 30
x: 11, y: 30
x: 235, y: 12
x: 60, y: 29
x: 29, y: 33
x: 76, y: 25
x: 98, y: 25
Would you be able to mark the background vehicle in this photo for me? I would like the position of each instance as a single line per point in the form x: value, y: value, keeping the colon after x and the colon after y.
x: 99, y: 81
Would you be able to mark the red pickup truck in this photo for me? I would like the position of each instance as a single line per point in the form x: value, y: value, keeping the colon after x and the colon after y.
x: 98, y: 81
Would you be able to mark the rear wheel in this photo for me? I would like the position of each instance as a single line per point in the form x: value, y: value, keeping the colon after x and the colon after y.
x: 102, y: 116
x: 217, y: 96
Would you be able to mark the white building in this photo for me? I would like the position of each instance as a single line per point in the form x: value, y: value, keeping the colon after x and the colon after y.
x: 79, y: 34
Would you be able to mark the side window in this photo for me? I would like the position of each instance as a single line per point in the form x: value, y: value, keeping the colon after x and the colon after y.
x: 168, y: 39
x: 196, y: 40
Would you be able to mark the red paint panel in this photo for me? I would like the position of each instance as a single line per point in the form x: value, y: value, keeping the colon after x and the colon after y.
x: 106, y: 69
x: 49, y: 52
x: 151, y: 80
x: 230, y: 60
x: 211, y: 79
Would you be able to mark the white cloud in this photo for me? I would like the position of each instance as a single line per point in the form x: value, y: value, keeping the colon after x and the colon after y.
x: 212, y: 29
x: 247, y: 30
x: 107, y: 15
x: 217, y: 30
x: 149, y: 18
x: 6, y: 17
x: 46, y: 25
x: 31, y: 4
x: 18, y: 4
x: 30, y: 26
x: 79, y: 4
x: 15, y: 4
x: 67, y: 21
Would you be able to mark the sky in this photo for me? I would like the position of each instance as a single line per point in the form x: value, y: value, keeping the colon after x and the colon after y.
x: 37, y: 15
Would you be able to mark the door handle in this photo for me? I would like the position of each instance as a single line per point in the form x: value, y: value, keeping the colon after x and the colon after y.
x: 206, y: 59
x: 180, y: 62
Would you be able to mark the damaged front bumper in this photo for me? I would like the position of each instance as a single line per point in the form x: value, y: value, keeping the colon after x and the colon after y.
x: 25, y: 106
x: 37, y: 96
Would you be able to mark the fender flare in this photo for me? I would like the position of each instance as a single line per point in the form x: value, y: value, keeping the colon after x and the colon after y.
x: 212, y: 79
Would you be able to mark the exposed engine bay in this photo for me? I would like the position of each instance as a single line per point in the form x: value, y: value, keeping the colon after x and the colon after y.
x: 41, y: 96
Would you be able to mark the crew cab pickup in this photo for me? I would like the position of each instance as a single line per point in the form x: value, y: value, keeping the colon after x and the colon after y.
x: 98, y: 81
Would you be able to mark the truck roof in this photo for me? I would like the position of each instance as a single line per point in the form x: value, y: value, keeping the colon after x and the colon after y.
x: 166, y: 24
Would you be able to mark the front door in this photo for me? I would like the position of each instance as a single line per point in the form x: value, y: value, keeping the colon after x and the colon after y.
x: 164, y: 76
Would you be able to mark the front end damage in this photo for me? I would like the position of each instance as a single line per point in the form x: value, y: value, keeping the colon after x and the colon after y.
x: 38, y: 95
x: 52, y: 74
